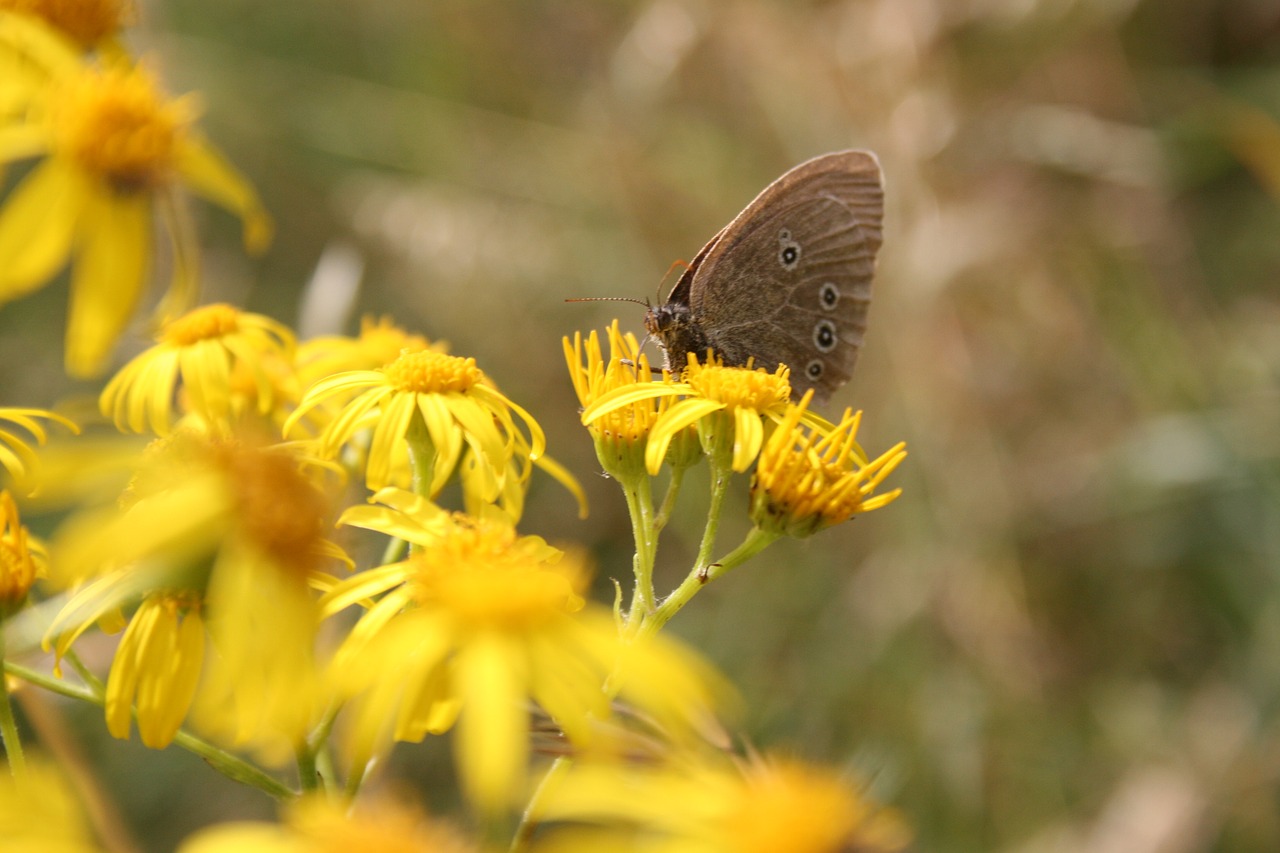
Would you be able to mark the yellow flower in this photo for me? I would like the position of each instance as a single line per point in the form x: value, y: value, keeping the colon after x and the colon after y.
x: 705, y: 806
x: 86, y: 22
x: 379, y: 342
x: 478, y: 622
x: 729, y: 405
x: 21, y: 558
x: 114, y: 151
x: 806, y: 480
x: 212, y: 532
x: 40, y: 814
x: 443, y: 401
x: 621, y: 433
x: 328, y: 826
x: 16, y: 455
x: 225, y: 360
x: 159, y: 661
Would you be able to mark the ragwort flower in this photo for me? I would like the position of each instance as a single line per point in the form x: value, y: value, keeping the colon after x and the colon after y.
x: 320, y: 825
x: 806, y: 480
x: 480, y: 621
x: 16, y: 454
x: 213, y: 534
x: 730, y: 406
x: 220, y: 357
x: 114, y: 151
x: 22, y: 558
x: 444, y: 403
x: 621, y: 433
x: 714, y: 806
x: 39, y: 813
x: 380, y: 342
x: 88, y: 23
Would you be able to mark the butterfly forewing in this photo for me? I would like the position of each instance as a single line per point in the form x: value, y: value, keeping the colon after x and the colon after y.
x: 789, y: 280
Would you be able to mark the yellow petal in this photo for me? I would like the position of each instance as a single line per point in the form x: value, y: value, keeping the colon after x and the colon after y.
x: 537, y: 438
x: 625, y: 396
x: 748, y: 435
x: 35, y: 41
x: 676, y: 418
x: 19, y: 142
x: 445, y: 437
x: 363, y: 586
x: 36, y: 227
x: 110, y: 272
x: 205, y: 171
x: 491, y: 743
x: 127, y: 669
x: 187, y: 665
x: 206, y: 377
x: 388, y: 436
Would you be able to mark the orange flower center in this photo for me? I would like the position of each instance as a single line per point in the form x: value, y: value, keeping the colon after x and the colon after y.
x: 86, y: 21
x: 739, y: 387
x: 116, y: 125
x: 202, y: 324
x: 428, y: 372
x: 277, y: 506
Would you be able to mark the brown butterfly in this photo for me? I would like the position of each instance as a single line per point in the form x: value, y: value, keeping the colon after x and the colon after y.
x: 788, y: 281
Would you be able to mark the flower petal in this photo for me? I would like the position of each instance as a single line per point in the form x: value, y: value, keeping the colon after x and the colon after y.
x: 36, y: 227
x: 206, y: 172
x: 679, y: 416
x: 629, y: 394
x: 114, y: 256
x: 492, y: 745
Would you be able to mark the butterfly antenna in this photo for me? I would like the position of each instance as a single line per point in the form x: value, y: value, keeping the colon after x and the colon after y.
x: 644, y: 302
x: 683, y: 265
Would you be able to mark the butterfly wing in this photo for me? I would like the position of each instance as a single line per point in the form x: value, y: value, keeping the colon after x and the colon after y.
x: 789, y: 279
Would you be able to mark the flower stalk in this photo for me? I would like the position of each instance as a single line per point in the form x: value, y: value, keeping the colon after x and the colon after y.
x: 8, y: 725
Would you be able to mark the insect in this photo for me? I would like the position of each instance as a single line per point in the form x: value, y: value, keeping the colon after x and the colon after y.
x: 788, y: 281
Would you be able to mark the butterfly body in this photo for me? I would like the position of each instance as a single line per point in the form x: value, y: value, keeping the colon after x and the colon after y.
x: 788, y: 281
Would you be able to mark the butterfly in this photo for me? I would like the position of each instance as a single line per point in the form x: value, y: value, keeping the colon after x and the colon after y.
x: 788, y: 281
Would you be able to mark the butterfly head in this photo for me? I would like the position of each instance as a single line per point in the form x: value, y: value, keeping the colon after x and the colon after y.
x: 673, y: 326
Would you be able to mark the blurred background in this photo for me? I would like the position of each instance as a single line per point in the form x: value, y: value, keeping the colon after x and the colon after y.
x: 1065, y: 636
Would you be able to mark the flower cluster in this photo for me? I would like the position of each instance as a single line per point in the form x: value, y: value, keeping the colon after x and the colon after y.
x: 318, y: 554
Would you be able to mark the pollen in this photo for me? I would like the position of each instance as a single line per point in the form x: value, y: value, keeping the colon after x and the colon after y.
x: 739, y: 387
x: 17, y: 562
x: 791, y: 807
x: 277, y: 507
x: 86, y: 21
x: 513, y: 598
x: 486, y: 579
x: 202, y: 324
x: 428, y: 372
x: 116, y: 125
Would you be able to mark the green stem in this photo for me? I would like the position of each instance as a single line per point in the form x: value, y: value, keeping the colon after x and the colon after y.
x: 395, y: 551
x: 640, y: 507
x: 328, y: 770
x: 86, y: 674
x: 529, y: 817
x: 8, y: 726
x: 720, y: 475
x: 229, y: 765
x: 757, y: 540
x: 308, y: 778
x: 669, y: 500
x: 659, y: 615
x: 315, y: 761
